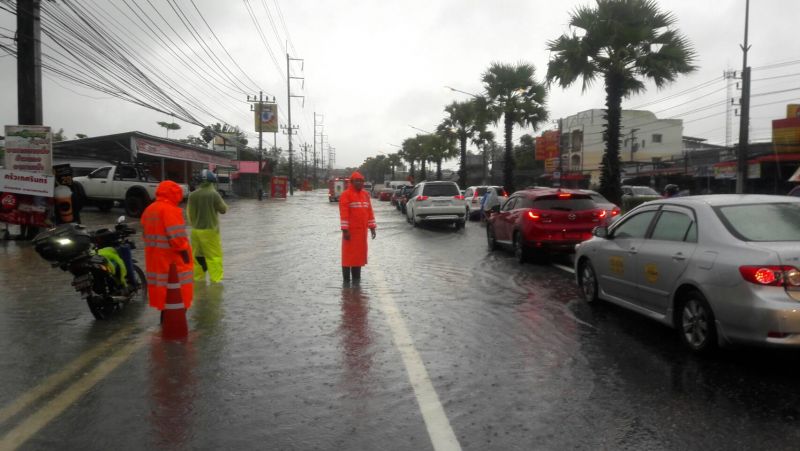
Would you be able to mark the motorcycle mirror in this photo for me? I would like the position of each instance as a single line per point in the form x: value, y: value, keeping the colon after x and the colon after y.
x: 121, y: 219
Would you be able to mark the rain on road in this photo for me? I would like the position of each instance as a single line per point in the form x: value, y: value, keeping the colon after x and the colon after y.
x: 444, y: 345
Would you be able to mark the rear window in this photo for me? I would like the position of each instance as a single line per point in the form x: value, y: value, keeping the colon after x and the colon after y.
x: 644, y: 191
x: 443, y: 190
x: 599, y: 198
x: 762, y: 222
x: 560, y: 204
x: 481, y: 191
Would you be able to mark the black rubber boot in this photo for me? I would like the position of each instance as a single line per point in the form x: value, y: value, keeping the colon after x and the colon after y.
x: 346, y: 273
x: 356, y: 270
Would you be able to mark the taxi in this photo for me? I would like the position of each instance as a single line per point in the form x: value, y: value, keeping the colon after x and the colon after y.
x: 720, y: 269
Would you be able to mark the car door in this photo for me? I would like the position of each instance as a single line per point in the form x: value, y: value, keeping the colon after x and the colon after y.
x: 617, y: 259
x: 502, y: 223
x: 665, y: 255
x: 98, y: 185
x: 412, y: 201
x: 123, y: 174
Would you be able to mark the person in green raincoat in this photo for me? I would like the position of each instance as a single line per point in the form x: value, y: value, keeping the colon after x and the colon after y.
x: 202, y: 209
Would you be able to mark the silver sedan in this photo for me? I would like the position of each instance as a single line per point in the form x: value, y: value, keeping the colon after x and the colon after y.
x: 720, y: 269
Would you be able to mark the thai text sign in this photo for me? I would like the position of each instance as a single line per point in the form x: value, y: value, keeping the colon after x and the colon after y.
x: 30, y: 183
x: 29, y: 148
x: 547, y: 145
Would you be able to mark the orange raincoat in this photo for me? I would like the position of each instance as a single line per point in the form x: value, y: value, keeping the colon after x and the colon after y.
x: 355, y: 211
x: 165, y: 242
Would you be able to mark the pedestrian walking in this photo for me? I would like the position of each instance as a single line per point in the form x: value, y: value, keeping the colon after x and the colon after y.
x: 204, y: 206
x: 166, y: 243
x: 355, y: 211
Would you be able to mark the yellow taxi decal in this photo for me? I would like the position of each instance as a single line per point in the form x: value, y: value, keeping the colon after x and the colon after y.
x: 651, y: 272
x: 617, y: 265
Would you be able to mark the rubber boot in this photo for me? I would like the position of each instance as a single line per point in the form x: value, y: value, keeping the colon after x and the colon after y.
x: 356, y: 270
x: 346, y: 273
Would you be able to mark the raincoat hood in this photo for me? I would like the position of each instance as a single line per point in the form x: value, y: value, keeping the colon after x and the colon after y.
x: 170, y: 192
x: 356, y: 175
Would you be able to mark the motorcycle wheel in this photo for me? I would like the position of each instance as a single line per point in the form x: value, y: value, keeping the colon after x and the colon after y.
x: 140, y: 293
x: 100, y: 309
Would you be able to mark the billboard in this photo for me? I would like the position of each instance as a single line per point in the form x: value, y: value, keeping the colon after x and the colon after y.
x: 29, y: 148
x: 266, y: 117
x: 786, y: 132
x: 547, y: 145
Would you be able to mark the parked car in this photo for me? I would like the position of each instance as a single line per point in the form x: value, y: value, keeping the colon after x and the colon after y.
x: 395, y: 197
x: 612, y: 210
x: 640, y: 191
x: 474, y: 194
x: 719, y: 269
x: 436, y: 202
x: 533, y: 222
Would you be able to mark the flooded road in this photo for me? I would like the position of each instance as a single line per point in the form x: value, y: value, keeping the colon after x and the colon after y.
x: 443, y: 346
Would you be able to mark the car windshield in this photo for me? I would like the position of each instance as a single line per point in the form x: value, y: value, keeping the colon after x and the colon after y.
x: 644, y: 191
x: 762, y: 222
x: 560, y: 204
x: 441, y: 190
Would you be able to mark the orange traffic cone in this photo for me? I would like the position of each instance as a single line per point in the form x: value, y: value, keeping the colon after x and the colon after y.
x: 173, y: 325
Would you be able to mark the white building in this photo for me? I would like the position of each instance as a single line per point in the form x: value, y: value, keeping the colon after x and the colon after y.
x: 643, y: 137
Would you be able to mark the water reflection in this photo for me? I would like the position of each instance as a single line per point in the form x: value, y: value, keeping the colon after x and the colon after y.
x: 172, y: 392
x: 206, y: 310
x: 356, y: 338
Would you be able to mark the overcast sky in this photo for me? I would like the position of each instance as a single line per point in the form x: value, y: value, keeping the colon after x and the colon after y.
x: 373, y: 68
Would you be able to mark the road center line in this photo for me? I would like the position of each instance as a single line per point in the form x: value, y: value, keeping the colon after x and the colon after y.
x: 54, y: 380
x: 39, y: 419
x: 439, y: 429
x: 564, y: 267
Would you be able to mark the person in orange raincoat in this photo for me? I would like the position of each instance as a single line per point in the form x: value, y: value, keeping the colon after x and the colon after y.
x: 166, y: 242
x: 355, y: 211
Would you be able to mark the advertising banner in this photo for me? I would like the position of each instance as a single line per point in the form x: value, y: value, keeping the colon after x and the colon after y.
x: 266, y: 117
x: 30, y: 183
x: 279, y: 187
x: 29, y: 148
x: 786, y: 135
x: 547, y: 145
x: 22, y: 209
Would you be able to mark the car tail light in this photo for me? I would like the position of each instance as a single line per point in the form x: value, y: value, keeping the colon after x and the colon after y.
x: 600, y: 214
x: 615, y: 211
x: 781, y: 276
x: 458, y: 197
x: 564, y: 195
x: 534, y: 215
x: 505, y: 194
x: 419, y: 198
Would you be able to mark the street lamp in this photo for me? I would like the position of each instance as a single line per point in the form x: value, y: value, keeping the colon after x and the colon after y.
x: 423, y: 131
x: 462, y: 92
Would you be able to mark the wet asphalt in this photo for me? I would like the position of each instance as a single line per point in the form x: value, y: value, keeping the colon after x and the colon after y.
x: 282, y: 356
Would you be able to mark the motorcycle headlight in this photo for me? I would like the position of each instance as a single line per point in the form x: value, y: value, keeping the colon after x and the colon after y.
x: 64, y: 241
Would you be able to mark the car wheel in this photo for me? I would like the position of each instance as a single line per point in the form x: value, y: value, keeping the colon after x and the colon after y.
x: 414, y: 220
x: 135, y: 205
x: 520, y: 253
x: 490, y: 238
x: 696, y: 323
x: 588, y: 281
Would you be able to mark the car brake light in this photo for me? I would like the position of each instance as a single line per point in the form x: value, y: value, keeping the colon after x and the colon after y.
x: 615, y: 211
x: 781, y: 276
x: 458, y: 197
x: 422, y: 198
x: 564, y: 195
x: 601, y: 214
x: 535, y: 215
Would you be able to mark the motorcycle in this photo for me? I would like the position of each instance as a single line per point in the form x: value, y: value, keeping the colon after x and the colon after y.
x: 105, y: 273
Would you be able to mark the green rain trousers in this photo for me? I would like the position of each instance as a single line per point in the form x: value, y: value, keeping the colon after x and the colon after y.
x: 207, y: 243
x: 120, y: 272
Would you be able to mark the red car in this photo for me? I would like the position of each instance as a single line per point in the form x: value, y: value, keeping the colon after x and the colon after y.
x: 535, y: 221
x: 385, y: 194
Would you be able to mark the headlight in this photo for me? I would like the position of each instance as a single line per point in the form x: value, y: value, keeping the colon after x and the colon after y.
x: 64, y: 241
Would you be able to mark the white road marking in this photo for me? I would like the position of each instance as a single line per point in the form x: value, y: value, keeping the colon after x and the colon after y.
x: 54, y: 380
x: 439, y: 429
x: 55, y: 407
x: 564, y: 267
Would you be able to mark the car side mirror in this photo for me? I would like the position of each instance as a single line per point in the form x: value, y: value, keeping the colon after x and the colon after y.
x: 600, y: 232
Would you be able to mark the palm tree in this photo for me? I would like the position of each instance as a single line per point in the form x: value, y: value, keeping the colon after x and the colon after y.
x: 519, y: 99
x: 169, y: 126
x: 483, y: 140
x: 412, y: 152
x: 437, y: 148
x: 394, y: 161
x: 208, y: 133
x: 623, y: 41
x: 461, y: 123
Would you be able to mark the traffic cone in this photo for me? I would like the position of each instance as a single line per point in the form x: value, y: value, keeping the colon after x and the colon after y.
x: 174, y: 325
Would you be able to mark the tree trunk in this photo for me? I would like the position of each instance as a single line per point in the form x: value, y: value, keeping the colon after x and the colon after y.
x: 610, y: 166
x: 439, y: 169
x: 411, y: 169
x: 508, y: 163
x: 462, y: 170
x: 485, y: 166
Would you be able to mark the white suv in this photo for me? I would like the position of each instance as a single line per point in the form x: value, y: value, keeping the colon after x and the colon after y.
x: 436, y: 201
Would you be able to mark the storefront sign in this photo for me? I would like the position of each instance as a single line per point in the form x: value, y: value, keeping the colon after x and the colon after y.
x: 266, y: 117
x: 29, y: 148
x: 159, y: 149
x: 30, y: 183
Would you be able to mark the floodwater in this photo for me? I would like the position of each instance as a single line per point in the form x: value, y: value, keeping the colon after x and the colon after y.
x: 282, y: 355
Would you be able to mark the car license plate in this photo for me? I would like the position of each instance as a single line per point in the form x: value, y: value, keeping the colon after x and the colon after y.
x: 441, y: 202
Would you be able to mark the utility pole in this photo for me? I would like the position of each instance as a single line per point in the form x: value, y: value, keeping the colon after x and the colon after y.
x: 290, y: 129
x: 557, y: 183
x: 634, y: 145
x: 315, y: 147
x: 305, y: 147
x: 322, y: 150
x: 259, y: 128
x: 29, y: 63
x: 744, y: 119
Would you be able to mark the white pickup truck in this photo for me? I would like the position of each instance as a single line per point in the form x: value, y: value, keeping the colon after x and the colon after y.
x: 130, y: 185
